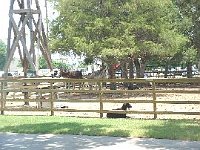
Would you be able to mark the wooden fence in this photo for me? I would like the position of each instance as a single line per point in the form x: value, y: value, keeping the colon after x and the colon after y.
x: 149, y: 97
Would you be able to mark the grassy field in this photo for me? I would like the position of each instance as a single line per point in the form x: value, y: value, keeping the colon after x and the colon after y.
x: 167, y: 129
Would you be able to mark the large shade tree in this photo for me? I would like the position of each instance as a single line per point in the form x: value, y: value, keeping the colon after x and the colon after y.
x: 190, y: 9
x: 115, y: 30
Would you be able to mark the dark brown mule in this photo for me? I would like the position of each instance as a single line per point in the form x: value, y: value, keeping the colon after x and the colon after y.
x: 125, y: 106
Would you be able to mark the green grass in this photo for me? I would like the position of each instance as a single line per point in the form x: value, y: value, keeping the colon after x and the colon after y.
x: 167, y: 129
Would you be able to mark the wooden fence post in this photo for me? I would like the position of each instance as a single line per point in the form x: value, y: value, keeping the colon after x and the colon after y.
x: 2, y: 99
x: 154, y: 99
x: 52, y: 99
x: 100, y: 99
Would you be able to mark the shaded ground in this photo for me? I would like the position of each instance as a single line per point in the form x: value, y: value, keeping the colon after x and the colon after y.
x: 12, y: 141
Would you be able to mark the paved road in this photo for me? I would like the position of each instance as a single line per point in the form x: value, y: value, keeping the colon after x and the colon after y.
x: 12, y: 141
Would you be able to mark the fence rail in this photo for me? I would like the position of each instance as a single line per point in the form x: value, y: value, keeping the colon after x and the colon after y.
x: 154, y: 94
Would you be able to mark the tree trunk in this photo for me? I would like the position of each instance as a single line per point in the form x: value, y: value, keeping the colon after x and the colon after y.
x: 142, y: 69
x: 124, y: 70
x: 131, y: 71
x: 189, y: 70
x: 166, y: 70
x: 131, y: 75
x: 137, y: 66
x: 111, y: 72
x: 198, y: 62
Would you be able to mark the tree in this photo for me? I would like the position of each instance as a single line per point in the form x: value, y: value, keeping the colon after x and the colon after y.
x: 61, y: 65
x: 190, y: 9
x: 116, y: 30
x: 2, y: 54
x: 158, y: 34
x: 43, y: 64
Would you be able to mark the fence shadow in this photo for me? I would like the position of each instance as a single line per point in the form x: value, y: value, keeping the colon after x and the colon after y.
x: 169, y: 129
x: 64, y: 128
x: 175, y: 129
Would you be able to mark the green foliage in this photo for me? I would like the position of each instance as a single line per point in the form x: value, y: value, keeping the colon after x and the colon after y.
x: 60, y: 65
x: 88, y: 60
x: 2, y: 54
x: 113, y: 30
x: 42, y: 63
x: 189, y: 11
x: 189, y: 55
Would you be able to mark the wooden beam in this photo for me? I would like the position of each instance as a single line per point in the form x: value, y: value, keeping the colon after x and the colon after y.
x: 26, y: 11
x: 20, y: 41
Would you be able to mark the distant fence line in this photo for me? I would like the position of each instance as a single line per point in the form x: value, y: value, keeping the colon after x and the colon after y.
x: 48, y: 90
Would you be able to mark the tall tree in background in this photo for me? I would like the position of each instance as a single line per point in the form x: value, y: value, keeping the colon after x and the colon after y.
x: 156, y: 32
x: 2, y: 54
x: 42, y: 63
x: 60, y: 65
x: 190, y: 9
x: 115, y: 30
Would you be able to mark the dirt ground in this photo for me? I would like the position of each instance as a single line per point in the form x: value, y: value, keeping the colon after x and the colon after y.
x: 110, y: 106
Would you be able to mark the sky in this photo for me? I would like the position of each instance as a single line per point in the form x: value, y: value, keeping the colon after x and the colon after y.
x: 4, y: 9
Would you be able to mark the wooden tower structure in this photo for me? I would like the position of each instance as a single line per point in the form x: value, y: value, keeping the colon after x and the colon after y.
x: 26, y: 34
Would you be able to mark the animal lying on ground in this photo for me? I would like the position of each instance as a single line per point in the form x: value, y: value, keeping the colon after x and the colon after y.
x: 125, y: 106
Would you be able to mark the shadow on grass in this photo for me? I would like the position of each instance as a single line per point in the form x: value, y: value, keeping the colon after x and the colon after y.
x: 38, y: 136
x: 169, y: 128
x: 171, y: 132
x: 176, y: 129
x: 160, y: 129
x: 65, y: 128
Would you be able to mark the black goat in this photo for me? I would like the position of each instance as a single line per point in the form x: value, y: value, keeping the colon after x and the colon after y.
x: 125, y: 106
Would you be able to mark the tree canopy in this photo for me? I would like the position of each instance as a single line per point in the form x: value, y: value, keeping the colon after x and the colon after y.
x: 113, y: 30
x: 190, y: 10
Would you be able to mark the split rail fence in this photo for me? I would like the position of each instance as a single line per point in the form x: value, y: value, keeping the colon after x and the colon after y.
x: 152, y: 94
